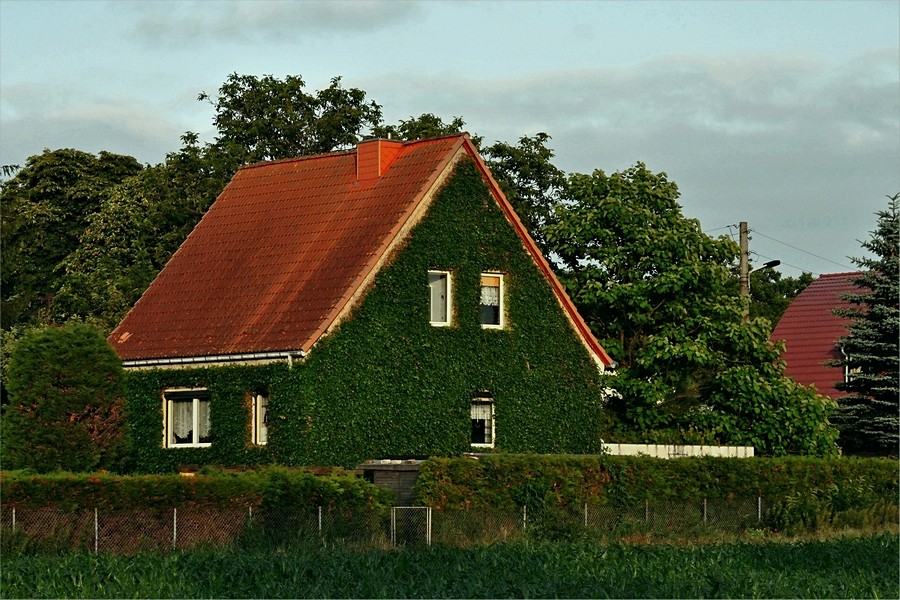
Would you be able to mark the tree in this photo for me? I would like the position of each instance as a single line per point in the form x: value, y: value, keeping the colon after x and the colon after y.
x: 426, y: 125
x: 66, y: 408
x: 660, y: 296
x: 265, y: 118
x: 46, y: 207
x: 530, y: 181
x: 868, y: 414
x: 771, y: 293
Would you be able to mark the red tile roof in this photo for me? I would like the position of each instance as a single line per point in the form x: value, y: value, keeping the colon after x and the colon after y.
x: 810, y: 331
x: 288, y: 246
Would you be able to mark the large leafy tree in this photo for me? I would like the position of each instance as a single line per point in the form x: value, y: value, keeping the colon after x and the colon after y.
x: 868, y: 414
x: 46, y: 207
x: 660, y: 296
x: 266, y: 118
x: 531, y: 182
x: 66, y: 409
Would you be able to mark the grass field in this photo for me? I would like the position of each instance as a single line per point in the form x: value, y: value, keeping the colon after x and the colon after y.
x: 864, y: 567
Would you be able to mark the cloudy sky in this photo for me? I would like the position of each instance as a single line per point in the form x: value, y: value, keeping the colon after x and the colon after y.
x: 782, y: 114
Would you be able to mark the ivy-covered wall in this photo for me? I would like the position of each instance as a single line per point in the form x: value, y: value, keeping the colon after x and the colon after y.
x: 387, y: 383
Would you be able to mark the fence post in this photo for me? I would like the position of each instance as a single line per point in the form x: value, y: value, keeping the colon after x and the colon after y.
x: 320, y: 520
x: 646, y: 512
x: 585, y: 515
x: 393, y: 526
x: 428, y: 525
x: 96, y: 532
x: 524, y: 516
x: 174, y: 527
x: 704, y: 511
x: 758, y: 509
x: 14, y: 519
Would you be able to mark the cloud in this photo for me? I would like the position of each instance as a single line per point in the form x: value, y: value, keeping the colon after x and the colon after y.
x: 804, y: 146
x: 184, y: 23
x: 35, y: 117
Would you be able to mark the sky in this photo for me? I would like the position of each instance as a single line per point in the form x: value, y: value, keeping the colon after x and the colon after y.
x: 784, y: 114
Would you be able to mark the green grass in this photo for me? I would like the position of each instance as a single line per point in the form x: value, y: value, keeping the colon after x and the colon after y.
x: 837, y: 568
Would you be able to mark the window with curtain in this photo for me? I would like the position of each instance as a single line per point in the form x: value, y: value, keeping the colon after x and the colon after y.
x: 482, y: 414
x: 491, y: 300
x: 187, y: 418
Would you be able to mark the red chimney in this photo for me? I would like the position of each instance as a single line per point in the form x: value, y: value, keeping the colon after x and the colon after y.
x: 374, y: 157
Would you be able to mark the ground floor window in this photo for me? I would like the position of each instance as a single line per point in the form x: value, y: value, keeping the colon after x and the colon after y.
x: 187, y: 418
x: 483, y: 422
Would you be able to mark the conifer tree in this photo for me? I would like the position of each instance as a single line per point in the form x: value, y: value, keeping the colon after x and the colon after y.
x: 868, y: 415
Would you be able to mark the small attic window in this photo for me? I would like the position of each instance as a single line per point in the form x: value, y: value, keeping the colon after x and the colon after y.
x: 439, y: 286
x: 492, y: 301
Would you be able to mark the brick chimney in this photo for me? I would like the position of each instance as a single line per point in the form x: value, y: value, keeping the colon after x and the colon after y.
x: 374, y: 157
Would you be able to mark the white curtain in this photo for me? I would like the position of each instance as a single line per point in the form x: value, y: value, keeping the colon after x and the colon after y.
x: 203, y: 427
x: 182, y: 417
x: 490, y: 296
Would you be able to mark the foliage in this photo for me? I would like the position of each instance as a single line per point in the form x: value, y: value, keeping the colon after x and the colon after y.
x: 659, y: 295
x: 66, y: 408
x: 529, y: 180
x: 868, y: 415
x: 842, y: 568
x: 508, y: 481
x: 771, y: 293
x: 387, y: 383
x: 427, y: 125
x: 265, y: 118
x: 46, y: 207
x: 276, y: 486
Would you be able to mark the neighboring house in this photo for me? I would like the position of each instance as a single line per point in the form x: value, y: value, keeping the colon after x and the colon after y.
x: 383, y: 301
x: 811, y: 330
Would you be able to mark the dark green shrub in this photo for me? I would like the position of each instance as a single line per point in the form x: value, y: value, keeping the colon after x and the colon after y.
x: 67, y: 409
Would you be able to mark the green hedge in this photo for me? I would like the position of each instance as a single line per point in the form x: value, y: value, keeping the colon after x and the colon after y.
x: 275, y: 486
x: 798, y: 492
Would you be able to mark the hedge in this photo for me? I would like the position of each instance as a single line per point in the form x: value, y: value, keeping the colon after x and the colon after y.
x: 275, y: 486
x: 799, y: 491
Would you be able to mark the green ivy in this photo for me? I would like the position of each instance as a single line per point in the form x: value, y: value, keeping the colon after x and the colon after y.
x: 387, y: 383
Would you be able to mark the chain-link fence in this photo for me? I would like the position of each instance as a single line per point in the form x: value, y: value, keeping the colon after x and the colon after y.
x: 286, y: 528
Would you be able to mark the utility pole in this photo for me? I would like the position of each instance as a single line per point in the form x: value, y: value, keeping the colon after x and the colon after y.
x: 745, y: 271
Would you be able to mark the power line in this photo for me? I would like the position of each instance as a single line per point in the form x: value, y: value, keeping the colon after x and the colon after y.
x: 802, y: 250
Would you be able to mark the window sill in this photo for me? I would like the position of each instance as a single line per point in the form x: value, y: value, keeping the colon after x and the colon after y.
x: 175, y: 446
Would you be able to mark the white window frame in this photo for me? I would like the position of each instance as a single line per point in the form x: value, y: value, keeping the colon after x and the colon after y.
x: 199, y: 395
x: 449, y: 303
x: 502, y: 307
x: 260, y: 419
x: 481, y: 400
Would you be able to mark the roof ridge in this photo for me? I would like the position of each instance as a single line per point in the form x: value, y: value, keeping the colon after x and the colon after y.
x: 333, y: 153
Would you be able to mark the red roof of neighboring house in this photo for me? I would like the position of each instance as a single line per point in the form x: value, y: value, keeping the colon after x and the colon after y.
x: 810, y: 331
x: 289, y: 246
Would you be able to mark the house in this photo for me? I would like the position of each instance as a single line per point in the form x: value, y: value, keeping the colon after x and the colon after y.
x: 810, y: 330
x: 381, y: 301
